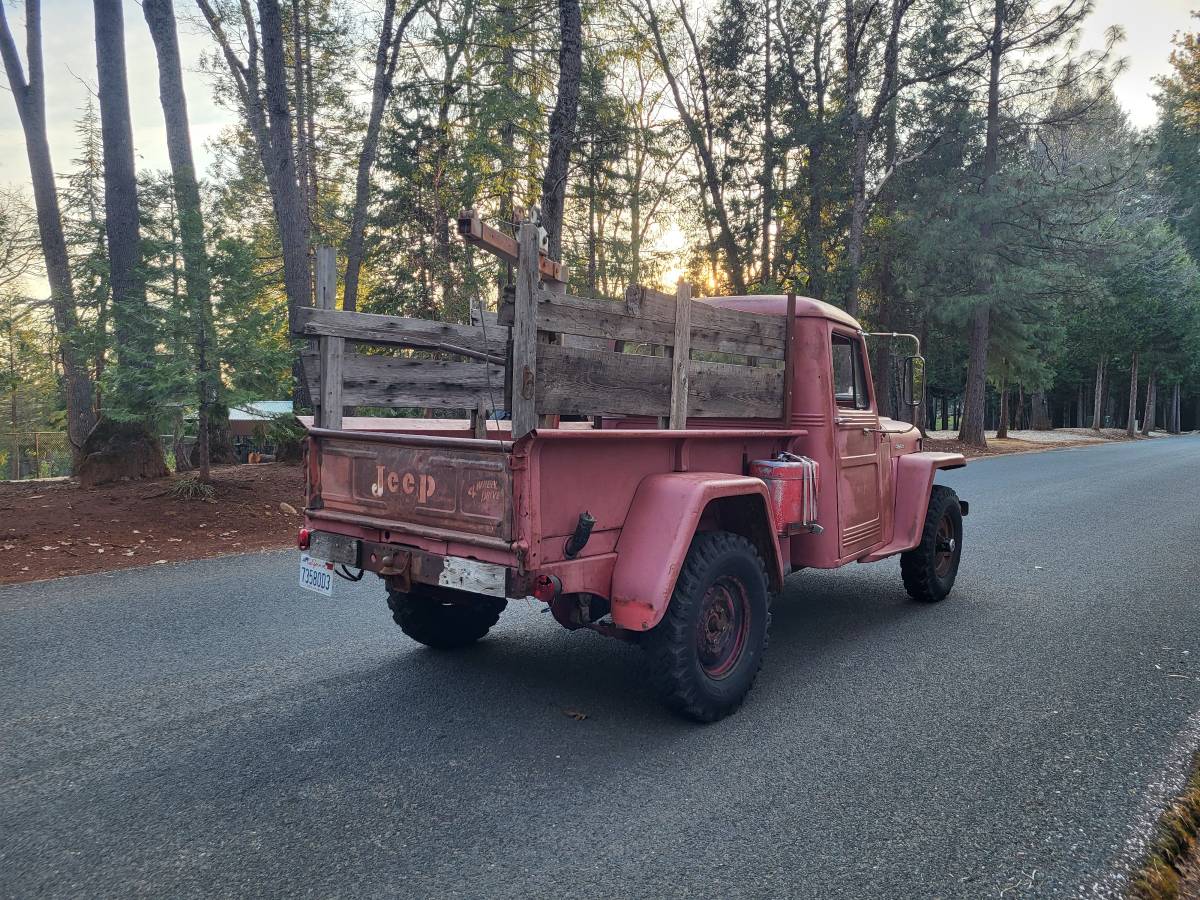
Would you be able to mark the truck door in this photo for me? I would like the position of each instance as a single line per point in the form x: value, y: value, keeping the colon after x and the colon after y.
x: 856, y: 437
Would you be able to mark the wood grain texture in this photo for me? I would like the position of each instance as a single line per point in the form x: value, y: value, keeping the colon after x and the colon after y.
x: 572, y: 381
x: 768, y: 331
x: 609, y: 320
x: 331, y: 349
x: 392, y: 381
x: 681, y: 357
x: 398, y: 331
x: 524, y: 335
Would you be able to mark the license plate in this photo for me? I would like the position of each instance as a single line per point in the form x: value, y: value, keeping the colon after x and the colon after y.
x: 316, y: 575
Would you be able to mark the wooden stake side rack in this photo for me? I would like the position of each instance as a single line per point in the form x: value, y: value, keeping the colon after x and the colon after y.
x: 514, y: 361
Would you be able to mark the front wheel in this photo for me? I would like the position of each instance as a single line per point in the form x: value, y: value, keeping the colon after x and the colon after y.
x: 442, y: 618
x: 708, y: 648
x: 929, y: 569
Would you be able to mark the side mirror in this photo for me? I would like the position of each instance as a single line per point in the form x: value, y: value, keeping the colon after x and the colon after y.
x: 914, y: 380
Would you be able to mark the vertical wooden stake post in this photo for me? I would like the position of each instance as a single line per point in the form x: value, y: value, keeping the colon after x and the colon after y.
x: 332, y: 349
x: 524, y: 334
x: 789, y: 357
x: 681, y: 356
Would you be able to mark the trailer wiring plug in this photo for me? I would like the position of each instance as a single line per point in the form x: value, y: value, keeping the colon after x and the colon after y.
x: 342, y: 572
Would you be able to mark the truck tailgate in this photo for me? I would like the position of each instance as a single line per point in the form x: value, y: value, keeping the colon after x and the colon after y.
x: 432, y: 486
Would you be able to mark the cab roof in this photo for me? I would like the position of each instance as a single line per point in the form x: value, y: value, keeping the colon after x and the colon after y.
x: 776, y: 305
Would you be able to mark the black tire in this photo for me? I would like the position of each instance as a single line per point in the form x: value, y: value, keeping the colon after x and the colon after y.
x: 708, y: 648
x: 929, y: 569
x: 444, y: 619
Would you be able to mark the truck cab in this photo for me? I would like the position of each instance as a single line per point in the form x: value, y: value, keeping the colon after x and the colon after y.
x: 877, y: 494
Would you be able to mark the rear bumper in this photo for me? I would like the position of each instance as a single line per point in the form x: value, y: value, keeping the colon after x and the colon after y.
x: 403, y: 565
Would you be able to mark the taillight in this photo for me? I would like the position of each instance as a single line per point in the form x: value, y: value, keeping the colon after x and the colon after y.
x: 302, y: 538
x: 546, y: 587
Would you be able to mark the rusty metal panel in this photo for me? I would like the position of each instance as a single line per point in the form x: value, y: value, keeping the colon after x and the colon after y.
x: 449, y: 488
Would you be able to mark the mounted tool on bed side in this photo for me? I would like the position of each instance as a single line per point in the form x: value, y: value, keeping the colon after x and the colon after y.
x: 742, y: 443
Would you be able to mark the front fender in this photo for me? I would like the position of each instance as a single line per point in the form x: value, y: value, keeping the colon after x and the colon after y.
x: 658, y: 531
x: 913, y: 482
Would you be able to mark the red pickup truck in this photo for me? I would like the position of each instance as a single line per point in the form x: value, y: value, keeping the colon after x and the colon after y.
x: 728, y: 442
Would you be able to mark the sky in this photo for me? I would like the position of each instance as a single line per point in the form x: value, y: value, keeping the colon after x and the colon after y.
x: 71, y: 75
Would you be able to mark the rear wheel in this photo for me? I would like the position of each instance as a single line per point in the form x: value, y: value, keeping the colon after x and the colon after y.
x: 929, y: 569
x: 442, y: 618
x: 708, y: 648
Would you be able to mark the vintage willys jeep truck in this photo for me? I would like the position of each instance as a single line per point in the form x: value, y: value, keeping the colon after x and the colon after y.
x: 669, y: 517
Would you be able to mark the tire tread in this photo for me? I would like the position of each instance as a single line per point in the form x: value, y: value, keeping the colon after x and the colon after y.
x: 669, y: 643
x: 916, y: 565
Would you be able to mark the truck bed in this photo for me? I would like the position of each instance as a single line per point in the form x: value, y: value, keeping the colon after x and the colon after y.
x: 433, y: 488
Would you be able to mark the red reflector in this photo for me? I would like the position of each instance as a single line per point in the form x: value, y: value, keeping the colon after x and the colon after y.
x: 546, y: 588
x: 302, y: 538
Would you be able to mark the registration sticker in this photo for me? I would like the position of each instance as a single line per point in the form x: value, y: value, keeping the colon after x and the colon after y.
x: 316, y: 575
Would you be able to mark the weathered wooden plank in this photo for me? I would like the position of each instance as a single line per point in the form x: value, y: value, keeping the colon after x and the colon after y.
x: 572, y: 381
x: 721, y: 389
x: 682, y: 355
x: 609, y: 320
x: 370, y: 328
x: 329, y: 408
x: 398, y: 381
x: 331, y: 349
x: 753, y: 327
x: 479, y: 417
x: 524, y: 334
x: 789, y: 362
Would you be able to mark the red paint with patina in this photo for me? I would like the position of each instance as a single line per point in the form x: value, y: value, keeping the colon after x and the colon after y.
x: 429, y: 486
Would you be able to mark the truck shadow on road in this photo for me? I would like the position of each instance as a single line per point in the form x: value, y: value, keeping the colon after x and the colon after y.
x: 529, y: 666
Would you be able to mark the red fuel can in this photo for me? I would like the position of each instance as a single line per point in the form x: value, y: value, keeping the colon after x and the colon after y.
x: 792, y: 485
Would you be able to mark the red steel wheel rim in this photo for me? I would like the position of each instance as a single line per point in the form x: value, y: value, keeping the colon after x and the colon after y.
x: 723, y: 627
x: 945, y: 547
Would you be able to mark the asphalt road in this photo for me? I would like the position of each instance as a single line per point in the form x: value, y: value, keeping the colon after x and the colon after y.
x: 208, y: 729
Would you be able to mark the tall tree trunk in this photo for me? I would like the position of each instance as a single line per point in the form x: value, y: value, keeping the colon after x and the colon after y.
x: 858, y: 217
x: 387, y: 54
x: 889, y: 290
x: 1002, y: 423
x: 1131, y: 420
x: 30, y: 97
x: 261, y: 82
x: 302, y: 98
x: 971, y: 431
x: 1175, y: 423
x: 562, y: 122
x: 131, y: 326
x: 813, y: 221
x: 287, y: 194
x: 1040, y: 412
x: 1151, y: 402
x: 1097, y: 405
x: 160, y: 17
x: 768, y: 155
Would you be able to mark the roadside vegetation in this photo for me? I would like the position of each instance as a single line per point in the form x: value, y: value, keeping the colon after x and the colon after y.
x: 1172, y: 867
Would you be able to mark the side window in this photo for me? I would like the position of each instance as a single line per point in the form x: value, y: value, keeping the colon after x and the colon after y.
x: 849, y: 380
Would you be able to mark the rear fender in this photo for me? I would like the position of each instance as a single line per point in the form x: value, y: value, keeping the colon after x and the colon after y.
x: 666, y: 511
x: 914, y: 480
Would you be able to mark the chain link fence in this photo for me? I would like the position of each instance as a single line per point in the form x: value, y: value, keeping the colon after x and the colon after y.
x: 34, y: 454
